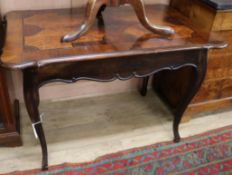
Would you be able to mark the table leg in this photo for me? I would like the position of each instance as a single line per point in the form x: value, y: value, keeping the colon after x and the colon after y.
x: 143, y: 89
x: 185, y: 100
x: 177, y: 88
x: 31, y: 97
x: 139, y: 8
x: 93, y: 10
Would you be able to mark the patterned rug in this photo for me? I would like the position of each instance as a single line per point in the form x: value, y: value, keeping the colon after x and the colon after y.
x: 206, y: 154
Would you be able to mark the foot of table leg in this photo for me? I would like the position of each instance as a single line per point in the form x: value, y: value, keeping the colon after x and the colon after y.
x: 139, y: 8
x: 31, y: 97
x: 39, y: 131
x: 93, y: 10
x: 176, y: 129
x: 143, y: 90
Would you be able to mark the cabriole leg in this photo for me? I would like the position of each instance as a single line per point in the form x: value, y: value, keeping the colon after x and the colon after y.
x: 93, y: 10
x: 178, y: 87
x: 139, y: 8
x: 31, y: 98
x: 143, y: 90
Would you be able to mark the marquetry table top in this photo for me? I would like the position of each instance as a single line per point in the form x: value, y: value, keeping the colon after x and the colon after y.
x: 33, y: 37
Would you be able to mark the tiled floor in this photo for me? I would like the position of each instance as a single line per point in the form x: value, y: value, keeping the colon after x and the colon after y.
x: 82, y: 130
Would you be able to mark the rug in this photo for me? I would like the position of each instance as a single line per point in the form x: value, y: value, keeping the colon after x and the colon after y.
x: 205, y: 154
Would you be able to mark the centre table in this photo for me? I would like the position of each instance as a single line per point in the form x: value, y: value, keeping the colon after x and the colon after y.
x: 116, y: 47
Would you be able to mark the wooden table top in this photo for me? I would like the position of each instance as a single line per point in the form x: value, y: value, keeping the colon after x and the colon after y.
x: 33, y: 37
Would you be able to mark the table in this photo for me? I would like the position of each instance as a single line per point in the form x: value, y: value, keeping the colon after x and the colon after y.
x: 120, y: 49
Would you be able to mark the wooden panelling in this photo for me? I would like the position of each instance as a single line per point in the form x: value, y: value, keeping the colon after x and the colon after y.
x: 223, y: 21
x: 211, y: 106
x: 214, y: 89
x: 219, y: 68
x: 220, y: 60
x: 202, y: 17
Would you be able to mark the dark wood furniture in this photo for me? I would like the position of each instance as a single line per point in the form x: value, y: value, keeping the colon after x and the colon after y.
x: 94, y: 10
x: 211, y: 16
x: 9, y: 107
x: 115, y: 48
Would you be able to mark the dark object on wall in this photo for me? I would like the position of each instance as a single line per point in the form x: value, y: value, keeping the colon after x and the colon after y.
x: 9, y: 107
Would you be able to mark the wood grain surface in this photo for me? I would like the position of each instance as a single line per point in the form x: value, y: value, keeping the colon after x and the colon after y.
x: 36, y: 39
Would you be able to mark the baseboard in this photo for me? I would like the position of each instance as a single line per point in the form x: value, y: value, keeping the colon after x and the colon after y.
x: 213, y: 106
x: 10, y: 139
